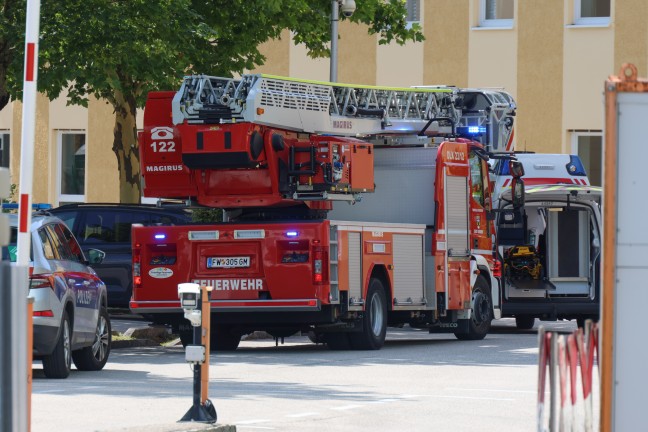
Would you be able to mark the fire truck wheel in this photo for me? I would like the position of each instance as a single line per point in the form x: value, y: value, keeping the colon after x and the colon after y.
x: 482, y: 315
x: 374, y: 323
x: 337, y: 341
x: 223, y: 338
x: 186, y: 335
x: 524, y: 322
x: 316, y: 338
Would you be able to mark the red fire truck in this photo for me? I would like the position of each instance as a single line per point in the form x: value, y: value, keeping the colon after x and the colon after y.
x: 347, y: 208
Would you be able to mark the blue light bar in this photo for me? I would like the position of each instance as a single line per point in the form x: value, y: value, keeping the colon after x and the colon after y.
x: 35, y: 206
x: 476, y: 129
x: 291, y: 234
x: 160, y: 236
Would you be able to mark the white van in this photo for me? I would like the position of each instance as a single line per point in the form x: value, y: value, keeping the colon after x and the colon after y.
x: 550, y: 249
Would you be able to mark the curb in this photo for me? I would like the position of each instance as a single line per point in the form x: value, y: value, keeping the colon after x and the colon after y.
x: 132, y: 343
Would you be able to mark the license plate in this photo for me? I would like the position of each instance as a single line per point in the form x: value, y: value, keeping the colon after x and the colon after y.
x: 228, y: 262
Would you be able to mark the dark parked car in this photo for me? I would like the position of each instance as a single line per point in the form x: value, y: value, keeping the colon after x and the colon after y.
x: 108, y: 227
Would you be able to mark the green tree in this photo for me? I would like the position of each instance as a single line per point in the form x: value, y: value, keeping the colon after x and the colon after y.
x: 119, y: 50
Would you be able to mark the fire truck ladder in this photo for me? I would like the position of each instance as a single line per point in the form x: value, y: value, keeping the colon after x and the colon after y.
x: 488, y: 113
x: 316, y: 107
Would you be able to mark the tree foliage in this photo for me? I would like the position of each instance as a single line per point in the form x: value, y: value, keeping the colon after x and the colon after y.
x: 119, y: 50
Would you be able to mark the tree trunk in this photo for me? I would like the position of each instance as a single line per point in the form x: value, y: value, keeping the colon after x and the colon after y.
x: 126, y: 148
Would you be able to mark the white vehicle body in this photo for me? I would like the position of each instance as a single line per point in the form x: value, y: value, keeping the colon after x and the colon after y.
x: 551, y: 248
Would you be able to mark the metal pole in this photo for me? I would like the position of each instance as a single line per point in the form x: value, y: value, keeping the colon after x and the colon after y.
x: 20, y: 278
x: 335, y: 16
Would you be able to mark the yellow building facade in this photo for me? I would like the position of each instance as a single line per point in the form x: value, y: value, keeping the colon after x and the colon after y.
x: 551, y: 55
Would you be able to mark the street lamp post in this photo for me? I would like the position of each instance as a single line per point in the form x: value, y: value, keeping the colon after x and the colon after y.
x: 347, y: 7
x: 335, y: 16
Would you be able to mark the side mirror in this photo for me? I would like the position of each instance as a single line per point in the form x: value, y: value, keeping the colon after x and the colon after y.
x: 516, y: 168
x: 517, y: 192
x: 96, y: 256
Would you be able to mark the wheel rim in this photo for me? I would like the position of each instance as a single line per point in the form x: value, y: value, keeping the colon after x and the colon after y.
x: 377, y: 315
x: 67, y: 351
x: 100, y: 345
x: 481, y: 308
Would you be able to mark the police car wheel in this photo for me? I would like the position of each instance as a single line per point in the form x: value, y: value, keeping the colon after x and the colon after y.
x: 59, y: 363
x: 95, y: 356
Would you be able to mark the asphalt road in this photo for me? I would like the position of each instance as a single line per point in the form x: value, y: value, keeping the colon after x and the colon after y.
x: 417, y: 382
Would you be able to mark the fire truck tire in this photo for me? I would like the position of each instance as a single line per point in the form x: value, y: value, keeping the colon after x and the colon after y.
x: 223, y: 338
x: 316, y: 338
x: 374, y: 323
x: 186, y: 335
x: 337, y: 341
x: 482, y: 312
x: 524, y: 322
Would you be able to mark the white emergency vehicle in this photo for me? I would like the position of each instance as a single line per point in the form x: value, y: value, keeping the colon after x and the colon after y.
x: 551, y: 247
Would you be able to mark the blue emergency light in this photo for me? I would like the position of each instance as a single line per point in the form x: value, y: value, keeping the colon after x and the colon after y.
x: 160, y: 236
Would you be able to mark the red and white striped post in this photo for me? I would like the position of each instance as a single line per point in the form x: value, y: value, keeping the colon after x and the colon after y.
x: 28, y: 131
x: 20, y: 285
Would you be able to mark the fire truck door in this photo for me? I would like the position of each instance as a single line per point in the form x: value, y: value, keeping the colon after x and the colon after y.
x: 457, y: 253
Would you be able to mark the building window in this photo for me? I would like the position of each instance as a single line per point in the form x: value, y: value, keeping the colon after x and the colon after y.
x: 72, y: 166
x: 591, y: 12
x: 413, y: 10
x: 496, y: 13
x: 4, y: 149
x: 589, y: 147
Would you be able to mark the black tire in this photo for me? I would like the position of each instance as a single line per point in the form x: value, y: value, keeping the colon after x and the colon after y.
x: 580, y: 322
x: 337, y: 341
x: 374, y: 322
x: 223, y: 338
x: 524, y: 322
x: 186, y: 332
x: 59, y: 363
x: 316, y: 338
x: 482, y: 312
x: 94, y: 357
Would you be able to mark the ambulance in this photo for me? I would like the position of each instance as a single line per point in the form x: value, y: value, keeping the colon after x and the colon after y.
x: 550, y: 248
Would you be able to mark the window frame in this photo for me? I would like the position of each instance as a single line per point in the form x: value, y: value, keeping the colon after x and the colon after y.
x: 575, y: 147
x: 69, y: 198
x: 5, y: 148
x: 418, y: 9
x: 589, y: 21
x: 494, y: 23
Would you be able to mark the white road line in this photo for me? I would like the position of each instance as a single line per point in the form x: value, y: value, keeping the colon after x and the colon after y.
x: 306, y: 414
x: 493, y: 390
x: 346, y: 407
x: 249, y: 422
x: 255, y: 427
x: 470, y: 397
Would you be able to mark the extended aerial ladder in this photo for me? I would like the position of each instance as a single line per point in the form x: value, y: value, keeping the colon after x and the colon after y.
x: 348, y: 110
x: 263, y: 141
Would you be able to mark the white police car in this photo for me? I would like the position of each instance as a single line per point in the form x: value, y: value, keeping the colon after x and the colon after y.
x: 71, y: 321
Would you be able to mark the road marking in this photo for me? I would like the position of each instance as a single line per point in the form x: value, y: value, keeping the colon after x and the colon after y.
x: 493, y: 390
x: 470, y: 397
x: 346, y: 407
x: 306, y: 414
x: 249, y: 422
x: 255, y: 427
